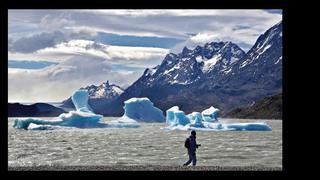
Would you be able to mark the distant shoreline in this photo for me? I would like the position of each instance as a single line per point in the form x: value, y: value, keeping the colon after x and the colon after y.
x: 144, y: 168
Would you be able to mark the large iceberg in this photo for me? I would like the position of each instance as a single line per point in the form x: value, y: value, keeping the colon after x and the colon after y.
x: 206, y: 121
x: 83, y: 117
x: 141, y: 109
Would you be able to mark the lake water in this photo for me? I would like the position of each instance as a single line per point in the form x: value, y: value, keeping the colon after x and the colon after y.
x: 145, y: 145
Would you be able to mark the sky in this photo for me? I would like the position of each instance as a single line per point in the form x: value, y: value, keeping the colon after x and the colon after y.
x: 51, y: 53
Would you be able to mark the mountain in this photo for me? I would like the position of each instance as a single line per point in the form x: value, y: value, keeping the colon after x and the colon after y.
x: 98, y: 95
x: 218, y: 74
x: 191, y: 66
x: 267, y: 108
x: 257, y: 75
x: 33, y: 110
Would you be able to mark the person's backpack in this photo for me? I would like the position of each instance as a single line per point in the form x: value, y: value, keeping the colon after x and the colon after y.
x: 187, y: 143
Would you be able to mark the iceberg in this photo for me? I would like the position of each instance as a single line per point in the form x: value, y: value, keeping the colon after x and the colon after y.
x: 170, y: 119
x: 41, y: 127
x: 24, y: 123
x: 141, y: 109
x: 80, y: 100
x: 210, y: 114
x: 174, y: 116
x: 197, y: 120
x: 207, y: 120
x: 248, y: 126
x: 180, y: 118
x: 83, y: 117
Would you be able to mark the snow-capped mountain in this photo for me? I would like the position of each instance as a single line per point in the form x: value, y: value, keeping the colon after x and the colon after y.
x: 262, y: 65
x: 104, y: 93
x: 190, y: 66
x: 218, y: 74
x: 178, y: 72
x: 105, y: 90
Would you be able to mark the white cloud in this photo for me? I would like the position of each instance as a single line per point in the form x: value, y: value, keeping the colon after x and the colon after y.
x: 139, y: 56
x: 56, y: 83
x: 83, y: 62
x: 54, y: 22
x: 172, y: 23
x: 202, y: 38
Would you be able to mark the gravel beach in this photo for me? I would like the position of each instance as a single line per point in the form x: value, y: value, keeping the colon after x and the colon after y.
x: 144, y: 168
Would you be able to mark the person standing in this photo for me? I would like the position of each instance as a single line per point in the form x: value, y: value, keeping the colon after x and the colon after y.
x: 191, y: 145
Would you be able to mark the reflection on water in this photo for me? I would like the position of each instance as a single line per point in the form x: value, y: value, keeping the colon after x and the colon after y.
x: 145, y: 145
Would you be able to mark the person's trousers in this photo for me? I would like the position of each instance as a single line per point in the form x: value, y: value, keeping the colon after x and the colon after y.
x: 192, y: 158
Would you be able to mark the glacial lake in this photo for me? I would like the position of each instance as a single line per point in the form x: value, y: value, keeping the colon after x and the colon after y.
x: 146, y: 145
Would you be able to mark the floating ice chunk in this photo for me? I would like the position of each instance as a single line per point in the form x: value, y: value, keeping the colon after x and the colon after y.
x: 80, y: 119
x: 80, y: 100
x: 206, y: 121
x: 142, y: 109
x: 41, y: 127
x: 72, y: 118
x: 196, y: 120
x: 248, y: 126
x: 213, y: 125
x: 192, y: 117
x: 83, y: 117
x: 174, y: 116
x: 210, y: 114
x: 170, y: 118
x: 23, y: 123
x: 180, y: 118
x: 209, y: 126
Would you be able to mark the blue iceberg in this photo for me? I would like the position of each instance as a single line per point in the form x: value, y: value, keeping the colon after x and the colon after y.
x: 141, y: 109
x: 176, y: 117
x: 206, y: 121
x: 248, y: 126
x: 83, y: 117
x: 80, y: 100
x: 210, y: 114
x: 170, y: 117
x: 196, y: 120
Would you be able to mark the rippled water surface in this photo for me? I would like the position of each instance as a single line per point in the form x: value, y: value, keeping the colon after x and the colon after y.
x: 145, y: 145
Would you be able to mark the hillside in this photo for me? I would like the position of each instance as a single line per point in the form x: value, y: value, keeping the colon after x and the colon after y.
x: 267, y: 108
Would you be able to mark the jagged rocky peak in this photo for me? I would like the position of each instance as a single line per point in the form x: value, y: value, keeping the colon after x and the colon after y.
x: 150, y: 72
x: 104, y: 90
x: 185, y: 52
x: 268, y: 46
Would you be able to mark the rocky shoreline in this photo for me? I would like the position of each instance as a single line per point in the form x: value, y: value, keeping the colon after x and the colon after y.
x: 143, y: 168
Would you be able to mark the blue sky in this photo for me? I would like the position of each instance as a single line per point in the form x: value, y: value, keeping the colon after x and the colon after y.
x: 54, y: 52
x: 29, y: 64
x: 126, y: 40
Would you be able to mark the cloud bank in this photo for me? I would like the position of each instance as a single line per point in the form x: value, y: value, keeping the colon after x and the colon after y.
x: 93, y: 46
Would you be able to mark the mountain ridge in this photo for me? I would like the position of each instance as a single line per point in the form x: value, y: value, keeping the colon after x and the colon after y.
x: 218, y: 74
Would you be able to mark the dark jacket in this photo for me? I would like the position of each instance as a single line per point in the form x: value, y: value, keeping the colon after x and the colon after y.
x: 193, y: 144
